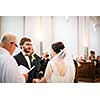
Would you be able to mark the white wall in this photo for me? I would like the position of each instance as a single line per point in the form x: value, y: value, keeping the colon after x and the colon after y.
x: 39, y: 29
x: 83, y: 36
x: 50, y: 29
x: 47, y: 32
x: 66, y: 31
x: 94, y: 36
x: 13, y: 24
x: 32, y: 26
x: 75, y: 33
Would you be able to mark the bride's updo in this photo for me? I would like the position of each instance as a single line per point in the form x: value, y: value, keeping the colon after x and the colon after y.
x: 57, y: 47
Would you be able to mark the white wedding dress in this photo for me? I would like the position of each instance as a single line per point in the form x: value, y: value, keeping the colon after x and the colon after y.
x: 63, y: 59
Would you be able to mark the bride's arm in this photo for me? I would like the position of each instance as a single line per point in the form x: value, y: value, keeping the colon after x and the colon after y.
x: 46, y: 77
x: 43, y: 80
x: 48, y: 71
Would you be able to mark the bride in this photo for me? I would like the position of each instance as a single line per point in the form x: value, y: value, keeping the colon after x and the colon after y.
x: 60, y: 68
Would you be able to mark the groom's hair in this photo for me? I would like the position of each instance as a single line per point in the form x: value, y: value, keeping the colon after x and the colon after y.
x: 58, y: 46
x: 23, y: 40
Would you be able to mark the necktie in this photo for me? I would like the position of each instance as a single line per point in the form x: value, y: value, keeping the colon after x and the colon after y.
x: 31, y: 58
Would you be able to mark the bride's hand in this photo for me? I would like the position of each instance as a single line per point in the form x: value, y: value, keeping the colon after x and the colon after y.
x: 36, y: 81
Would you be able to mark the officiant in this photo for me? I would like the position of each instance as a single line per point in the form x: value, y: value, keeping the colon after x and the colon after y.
x: 28, y: 58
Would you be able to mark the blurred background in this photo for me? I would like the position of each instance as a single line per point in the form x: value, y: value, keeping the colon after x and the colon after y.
x: 80, y: 34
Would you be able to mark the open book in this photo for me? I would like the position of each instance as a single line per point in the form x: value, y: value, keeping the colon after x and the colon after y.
x: 24, y: 70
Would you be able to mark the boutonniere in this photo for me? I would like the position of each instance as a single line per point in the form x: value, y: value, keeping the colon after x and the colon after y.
x: 33, y: 58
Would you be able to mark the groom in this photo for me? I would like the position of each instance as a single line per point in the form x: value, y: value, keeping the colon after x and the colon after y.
x: 28, y: 58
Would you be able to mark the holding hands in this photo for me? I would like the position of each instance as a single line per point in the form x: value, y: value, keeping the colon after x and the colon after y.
x: 36, y: 80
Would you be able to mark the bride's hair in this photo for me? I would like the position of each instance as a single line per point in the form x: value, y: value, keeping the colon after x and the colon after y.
x: 58, y: 46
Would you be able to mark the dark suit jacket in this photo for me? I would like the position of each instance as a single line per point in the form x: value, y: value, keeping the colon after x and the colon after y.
x: 36, y: 62
x: 76, y: 71
x: 44, y: 63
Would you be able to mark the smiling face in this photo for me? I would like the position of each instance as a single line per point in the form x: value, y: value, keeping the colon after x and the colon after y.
x: 27, y: 47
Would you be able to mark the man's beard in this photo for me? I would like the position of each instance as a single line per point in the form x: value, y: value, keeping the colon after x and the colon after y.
x: 27, y: 50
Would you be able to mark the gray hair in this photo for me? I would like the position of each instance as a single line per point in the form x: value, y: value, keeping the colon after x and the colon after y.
x: 8, y: 37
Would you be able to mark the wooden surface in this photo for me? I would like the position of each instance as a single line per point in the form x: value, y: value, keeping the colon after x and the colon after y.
x: 88, y: 72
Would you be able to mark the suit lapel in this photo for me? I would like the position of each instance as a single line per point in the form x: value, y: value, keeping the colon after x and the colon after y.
x: 24, y: 60
x: 33, y: 62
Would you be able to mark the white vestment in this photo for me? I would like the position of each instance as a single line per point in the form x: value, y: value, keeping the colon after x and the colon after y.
x: 9, y: 72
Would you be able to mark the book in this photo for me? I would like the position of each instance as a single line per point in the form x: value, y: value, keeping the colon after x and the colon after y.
x: 24, y: 70
x: 30, y: 69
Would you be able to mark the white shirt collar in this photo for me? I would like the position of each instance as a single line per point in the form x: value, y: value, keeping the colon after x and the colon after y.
x: 25, y: 53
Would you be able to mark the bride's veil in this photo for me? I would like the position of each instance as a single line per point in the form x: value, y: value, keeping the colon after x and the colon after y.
x: 67, y: 58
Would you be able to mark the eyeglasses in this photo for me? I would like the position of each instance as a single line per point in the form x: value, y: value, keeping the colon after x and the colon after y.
x: 14, y: 44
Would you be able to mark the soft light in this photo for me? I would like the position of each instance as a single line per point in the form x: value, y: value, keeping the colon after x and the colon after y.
x: 39, y: 36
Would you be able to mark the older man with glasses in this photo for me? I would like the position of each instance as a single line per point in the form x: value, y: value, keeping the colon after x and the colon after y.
x: 9, y: 72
